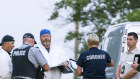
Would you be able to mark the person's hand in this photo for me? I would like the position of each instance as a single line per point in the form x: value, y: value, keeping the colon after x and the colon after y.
x: 65, y: 63
x: 134, y: 65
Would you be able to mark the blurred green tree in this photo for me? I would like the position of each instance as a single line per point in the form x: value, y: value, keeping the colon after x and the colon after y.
x: 131, y: 16
x: 98, y: 13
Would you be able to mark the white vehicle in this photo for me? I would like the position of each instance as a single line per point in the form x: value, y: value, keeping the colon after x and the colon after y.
x: 115, y: 43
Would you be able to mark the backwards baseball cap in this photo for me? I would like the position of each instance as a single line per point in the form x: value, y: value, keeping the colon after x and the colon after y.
x: 29, y: 35
x: 6, y: 38
x: 93, y: 37
x: 45, y: 31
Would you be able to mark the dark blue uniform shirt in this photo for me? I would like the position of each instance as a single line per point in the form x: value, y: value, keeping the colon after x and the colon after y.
x: 94, y: 63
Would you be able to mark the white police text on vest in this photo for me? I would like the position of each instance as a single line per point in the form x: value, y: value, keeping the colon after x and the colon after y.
x: 19, y: 53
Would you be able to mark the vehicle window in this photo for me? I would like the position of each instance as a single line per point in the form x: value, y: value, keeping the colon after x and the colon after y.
x: 113, y: 46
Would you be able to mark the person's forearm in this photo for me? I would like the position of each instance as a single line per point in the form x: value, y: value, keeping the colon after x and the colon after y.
x: 79, y: 71
x: 129, y: 74
x: 117, y: 75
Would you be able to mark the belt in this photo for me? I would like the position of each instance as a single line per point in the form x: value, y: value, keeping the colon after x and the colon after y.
x: 18, y: 77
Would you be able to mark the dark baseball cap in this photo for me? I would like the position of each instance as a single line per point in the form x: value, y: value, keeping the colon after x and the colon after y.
x: 29, y: 35
x: 6, y: 38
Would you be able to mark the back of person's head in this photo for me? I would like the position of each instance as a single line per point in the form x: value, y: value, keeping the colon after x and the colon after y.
x: 93, y: 39
x: 134, y: 35
x: 29, y: 38
x: 45, y: 31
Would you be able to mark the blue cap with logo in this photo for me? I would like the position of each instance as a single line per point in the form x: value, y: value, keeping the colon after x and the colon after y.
x: 45, y: 31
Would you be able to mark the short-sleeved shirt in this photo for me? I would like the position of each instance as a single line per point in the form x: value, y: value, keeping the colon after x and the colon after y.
x: 93, y: 62
x: 35, y: 56
x: 127, y: 57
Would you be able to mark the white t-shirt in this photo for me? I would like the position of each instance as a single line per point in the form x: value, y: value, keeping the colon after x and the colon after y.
x: 5, y: 65
x: 55, y: 57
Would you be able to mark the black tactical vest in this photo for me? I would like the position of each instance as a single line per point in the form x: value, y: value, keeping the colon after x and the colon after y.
x: 21, y: 64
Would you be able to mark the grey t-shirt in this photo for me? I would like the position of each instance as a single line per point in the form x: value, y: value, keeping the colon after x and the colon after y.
x: 35, y: 56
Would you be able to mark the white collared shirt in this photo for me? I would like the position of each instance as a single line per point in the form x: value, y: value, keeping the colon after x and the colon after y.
x: 128, y: 57
x: 5, y: 65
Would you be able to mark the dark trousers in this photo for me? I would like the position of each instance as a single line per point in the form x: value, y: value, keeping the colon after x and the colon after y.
x: 92, y: 78
x: 17, y: 78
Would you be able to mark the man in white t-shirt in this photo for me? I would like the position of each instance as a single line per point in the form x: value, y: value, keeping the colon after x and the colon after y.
x: 54, y: 55
x: 7, y: 44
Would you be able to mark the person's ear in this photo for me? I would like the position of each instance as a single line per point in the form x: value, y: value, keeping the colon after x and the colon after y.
x: 136, y: 41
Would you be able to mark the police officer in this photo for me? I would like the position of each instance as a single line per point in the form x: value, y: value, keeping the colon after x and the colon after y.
x: 26, y: 59
x: 93, y: 61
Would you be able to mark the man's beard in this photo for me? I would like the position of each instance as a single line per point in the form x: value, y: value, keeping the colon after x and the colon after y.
x: 46, y: 42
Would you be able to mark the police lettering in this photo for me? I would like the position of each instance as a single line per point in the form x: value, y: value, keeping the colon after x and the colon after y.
x: 19, y: 53
x: 90, y: 57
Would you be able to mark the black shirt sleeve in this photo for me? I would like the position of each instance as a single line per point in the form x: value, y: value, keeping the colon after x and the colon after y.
x: 80, y: 60
x: 108, y: 58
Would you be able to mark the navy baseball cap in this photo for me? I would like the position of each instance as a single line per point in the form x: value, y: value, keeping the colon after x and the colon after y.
x: 45, y: 31
x: 29, y: 35
x: 6, y: 38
